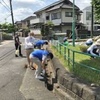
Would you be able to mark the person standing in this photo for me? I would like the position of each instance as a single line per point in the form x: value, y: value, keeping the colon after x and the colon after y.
x: 17, y: 46
x: 29, y: 45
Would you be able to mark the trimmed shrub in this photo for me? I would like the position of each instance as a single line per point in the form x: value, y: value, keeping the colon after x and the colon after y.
x: 83, y: 48
x: 6, y: 36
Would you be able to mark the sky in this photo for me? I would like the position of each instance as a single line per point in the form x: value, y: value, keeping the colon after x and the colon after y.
x: 24, y: 8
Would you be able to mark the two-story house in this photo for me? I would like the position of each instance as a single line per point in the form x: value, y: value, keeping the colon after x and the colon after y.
x: 60, y: 13
x: 26, y: 22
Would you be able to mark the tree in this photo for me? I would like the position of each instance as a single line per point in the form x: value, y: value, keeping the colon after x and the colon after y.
x: 8, y: 27
x: 43, y: 30
x: 46, y: 28
x: 96, y: 5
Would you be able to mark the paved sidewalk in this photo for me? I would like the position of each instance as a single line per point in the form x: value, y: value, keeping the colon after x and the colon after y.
x: 34, y: 89
x: 5, y: 42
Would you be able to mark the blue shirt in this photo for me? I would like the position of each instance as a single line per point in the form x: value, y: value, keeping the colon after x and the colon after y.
x: 39, y: 53
x: 39, y: 42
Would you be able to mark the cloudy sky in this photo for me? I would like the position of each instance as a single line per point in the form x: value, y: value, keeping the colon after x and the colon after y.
x: 25, y: 8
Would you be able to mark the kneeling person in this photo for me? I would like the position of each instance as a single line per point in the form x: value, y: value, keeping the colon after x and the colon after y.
x: 39, y: 57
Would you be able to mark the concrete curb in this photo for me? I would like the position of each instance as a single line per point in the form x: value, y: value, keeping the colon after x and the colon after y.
x: 71, y: 85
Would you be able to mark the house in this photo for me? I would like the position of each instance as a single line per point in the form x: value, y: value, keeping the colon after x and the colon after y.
x: 26, y: 22
x: 23, y: 24
x: 18, y: 24
x: 86, y: 19
x: 60, y: 13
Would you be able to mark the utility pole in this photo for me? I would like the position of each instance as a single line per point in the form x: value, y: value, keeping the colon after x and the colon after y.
x: 12, y: 16
x: 92, y: 20
x: 73, y: 24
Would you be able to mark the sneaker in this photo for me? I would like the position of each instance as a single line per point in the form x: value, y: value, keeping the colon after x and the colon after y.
x: 43, y: 73
x: 21, y: 55
x: 39, y: 77
x: 16, y: 55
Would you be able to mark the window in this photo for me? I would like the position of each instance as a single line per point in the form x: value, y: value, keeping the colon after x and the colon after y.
x: 56, y: 15
x: 68, y: 14
x: 88, y: 15
x: 47, y: 17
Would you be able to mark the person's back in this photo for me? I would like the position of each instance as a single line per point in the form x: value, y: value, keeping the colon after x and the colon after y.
x: 39, y: 53
x: 40, y: 43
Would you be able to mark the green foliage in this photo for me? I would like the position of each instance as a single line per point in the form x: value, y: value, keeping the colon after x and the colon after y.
x: 6, y: 36
x: 8, y: 27
x: 96, y: 4
x: 45, y: 28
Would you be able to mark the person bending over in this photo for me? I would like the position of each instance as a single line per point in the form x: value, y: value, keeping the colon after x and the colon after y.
x: 94, y: 49
x: 39, y: 57
x: 41, y: 44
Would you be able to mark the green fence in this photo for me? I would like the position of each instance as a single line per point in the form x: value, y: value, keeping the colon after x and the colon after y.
x: 84, y: 68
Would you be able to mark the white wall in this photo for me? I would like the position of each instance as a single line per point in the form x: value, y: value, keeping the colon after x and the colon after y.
x: 36, y: 31
x: 66, y: 19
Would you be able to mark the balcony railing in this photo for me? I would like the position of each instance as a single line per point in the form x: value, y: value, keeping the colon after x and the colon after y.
x: 37, y: 20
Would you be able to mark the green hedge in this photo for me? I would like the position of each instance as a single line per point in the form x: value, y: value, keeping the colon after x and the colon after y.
x: 6, y: 36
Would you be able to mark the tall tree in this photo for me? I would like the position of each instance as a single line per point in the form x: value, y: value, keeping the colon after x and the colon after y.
x: 96, y: 5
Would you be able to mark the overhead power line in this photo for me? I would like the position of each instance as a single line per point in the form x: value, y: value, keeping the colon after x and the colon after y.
x: 4, y: 6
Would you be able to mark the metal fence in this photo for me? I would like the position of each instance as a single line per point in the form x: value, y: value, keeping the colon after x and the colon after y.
x: 81, y: 68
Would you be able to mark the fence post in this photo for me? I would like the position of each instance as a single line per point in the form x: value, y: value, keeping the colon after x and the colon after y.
x: 73, y: 59
x: 68, y: 57
x: 60, y: 47
x: 64, y: 53
x: 57, y: 47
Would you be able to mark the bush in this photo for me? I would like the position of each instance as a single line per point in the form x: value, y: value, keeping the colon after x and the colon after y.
x: 6, y: 36
x: 83, y: 48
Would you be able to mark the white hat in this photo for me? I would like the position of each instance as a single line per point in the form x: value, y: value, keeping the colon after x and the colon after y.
x: 97, y: 42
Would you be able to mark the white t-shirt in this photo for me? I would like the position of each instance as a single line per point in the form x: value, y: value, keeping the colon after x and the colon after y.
x: 29, y: 42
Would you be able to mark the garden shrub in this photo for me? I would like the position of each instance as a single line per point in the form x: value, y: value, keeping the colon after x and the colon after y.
x: 6, y: 36
x: 83, y: 48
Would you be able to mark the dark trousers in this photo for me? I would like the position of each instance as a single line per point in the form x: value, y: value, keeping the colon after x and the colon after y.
x: 95, y: 52
x: 18, y: 47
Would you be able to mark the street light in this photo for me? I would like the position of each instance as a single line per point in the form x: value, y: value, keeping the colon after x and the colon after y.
x: 73, y: 24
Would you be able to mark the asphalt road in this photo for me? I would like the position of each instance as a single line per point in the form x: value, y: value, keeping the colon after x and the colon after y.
x: 11, y: 73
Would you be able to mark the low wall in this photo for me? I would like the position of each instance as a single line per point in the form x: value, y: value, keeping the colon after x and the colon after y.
x: 76, y: 88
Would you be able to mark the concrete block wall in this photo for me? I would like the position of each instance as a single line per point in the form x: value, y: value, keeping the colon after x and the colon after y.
x: 73, y: 86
